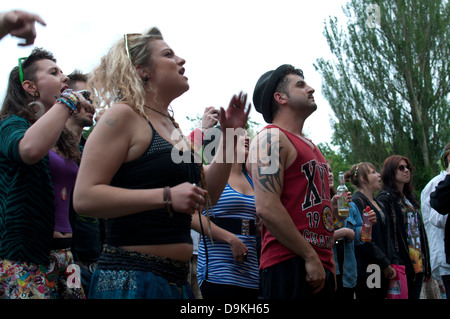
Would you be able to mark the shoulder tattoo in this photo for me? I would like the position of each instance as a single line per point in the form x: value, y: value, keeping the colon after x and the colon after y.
x: 266, y: 162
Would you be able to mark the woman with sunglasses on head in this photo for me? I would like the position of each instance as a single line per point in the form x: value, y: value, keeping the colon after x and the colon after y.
x: 380, y: 250
x: 137, y: 172
x: 38, y: 157
x: 406, y: 224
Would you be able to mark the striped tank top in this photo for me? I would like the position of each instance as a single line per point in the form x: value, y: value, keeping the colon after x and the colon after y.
x: 220, y: 267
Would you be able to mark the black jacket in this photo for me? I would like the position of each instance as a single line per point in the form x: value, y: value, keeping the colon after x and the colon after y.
x: 440, y: 198
x: 398, y: 233
x: 380, y: 250
x: 440, y: 201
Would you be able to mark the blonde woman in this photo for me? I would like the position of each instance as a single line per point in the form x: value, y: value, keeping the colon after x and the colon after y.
x: 135, y: 172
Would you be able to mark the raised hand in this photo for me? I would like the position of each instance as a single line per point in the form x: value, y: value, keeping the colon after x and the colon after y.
x: 20, y: 24
x: 235, y: 116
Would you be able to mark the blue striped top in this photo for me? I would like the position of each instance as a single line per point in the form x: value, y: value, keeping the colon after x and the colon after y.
x: 222, y: 269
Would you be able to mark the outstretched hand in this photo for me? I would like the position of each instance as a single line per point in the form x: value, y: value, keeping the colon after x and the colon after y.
x: 20, y: 24
x: 235, y: 116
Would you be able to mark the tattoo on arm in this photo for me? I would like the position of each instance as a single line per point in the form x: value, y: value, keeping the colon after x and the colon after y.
x: 111, y: 121
x: 269, y: 164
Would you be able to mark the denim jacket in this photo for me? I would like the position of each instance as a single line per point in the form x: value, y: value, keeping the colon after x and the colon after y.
x: 349, y: 271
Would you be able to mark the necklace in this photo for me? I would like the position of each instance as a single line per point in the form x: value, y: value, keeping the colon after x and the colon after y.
x: 157, y: 111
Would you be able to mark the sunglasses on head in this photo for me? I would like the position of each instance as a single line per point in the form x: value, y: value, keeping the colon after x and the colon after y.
x: 402, y: 168
x: 21, y: 60
x: 125, y: 39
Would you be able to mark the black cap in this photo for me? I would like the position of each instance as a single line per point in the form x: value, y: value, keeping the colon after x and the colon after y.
x: 265, y: 88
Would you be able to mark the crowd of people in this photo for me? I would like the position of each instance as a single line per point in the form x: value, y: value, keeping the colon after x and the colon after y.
x: 117, y: 215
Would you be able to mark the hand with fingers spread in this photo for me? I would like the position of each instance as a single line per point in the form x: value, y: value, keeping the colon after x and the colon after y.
x: 235, y: 116
x: 20, y: 24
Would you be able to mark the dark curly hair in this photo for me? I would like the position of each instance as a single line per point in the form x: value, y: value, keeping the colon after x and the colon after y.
x: 18, y: 102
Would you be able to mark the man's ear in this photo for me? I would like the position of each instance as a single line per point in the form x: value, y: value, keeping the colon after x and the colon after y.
x: 29, y: 87
x: 281, y: 98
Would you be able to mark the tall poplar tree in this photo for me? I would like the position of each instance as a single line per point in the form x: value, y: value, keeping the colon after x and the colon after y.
x: 388, y: 82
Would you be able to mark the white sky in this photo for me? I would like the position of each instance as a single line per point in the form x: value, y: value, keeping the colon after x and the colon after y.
x: 227, y: 45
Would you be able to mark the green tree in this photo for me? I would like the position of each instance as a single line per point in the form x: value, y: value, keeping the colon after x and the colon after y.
x: 388, y: 82
x: 336, y: 161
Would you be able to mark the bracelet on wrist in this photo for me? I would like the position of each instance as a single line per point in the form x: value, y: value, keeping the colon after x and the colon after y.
x: 167, y: 200
x: 69, y: 99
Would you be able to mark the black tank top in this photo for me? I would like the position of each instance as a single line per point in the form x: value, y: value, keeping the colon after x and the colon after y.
x: 154, y: 169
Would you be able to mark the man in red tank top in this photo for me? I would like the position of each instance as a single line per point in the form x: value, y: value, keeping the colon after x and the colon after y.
x: 292, y: 193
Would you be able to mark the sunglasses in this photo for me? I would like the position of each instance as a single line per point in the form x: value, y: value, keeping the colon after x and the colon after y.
x: 86, y: 94
x: 402, y: 168
x: 21, y: 69
x: 125, y: 39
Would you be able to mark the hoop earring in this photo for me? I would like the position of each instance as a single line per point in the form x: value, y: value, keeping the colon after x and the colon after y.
x: 37, y: 108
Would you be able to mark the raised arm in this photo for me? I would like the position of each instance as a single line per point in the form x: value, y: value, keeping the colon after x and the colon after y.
x: 217, y: 173
x: 43, y: 134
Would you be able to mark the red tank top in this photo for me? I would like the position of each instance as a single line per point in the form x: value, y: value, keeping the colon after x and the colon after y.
x: 306, y: 196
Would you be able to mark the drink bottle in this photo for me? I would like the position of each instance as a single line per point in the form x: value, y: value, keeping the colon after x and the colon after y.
x: 343, y: 205
x: 366, y: 229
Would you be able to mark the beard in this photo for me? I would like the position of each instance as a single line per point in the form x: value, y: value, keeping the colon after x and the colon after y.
x: 84, y: 121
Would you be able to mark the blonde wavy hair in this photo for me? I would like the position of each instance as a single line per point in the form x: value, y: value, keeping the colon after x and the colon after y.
x: 116, y: 79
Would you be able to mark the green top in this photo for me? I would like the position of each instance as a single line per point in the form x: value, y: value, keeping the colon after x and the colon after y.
x: 27, y: 215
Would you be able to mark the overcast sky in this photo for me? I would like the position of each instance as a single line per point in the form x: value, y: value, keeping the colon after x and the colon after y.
x: 227, y: 45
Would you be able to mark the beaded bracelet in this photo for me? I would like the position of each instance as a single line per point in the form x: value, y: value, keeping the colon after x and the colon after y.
x: 70, y: 99
x: 167, y: 200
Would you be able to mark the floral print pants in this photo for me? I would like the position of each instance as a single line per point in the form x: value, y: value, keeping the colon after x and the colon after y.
x: 59, y: 280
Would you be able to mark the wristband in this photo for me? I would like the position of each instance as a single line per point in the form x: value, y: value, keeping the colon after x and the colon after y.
x: 167, y: 200
x: 70, y: 99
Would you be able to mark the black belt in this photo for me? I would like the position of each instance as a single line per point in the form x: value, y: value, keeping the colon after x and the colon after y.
x: 61, y: 243
x: 238, y: 226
